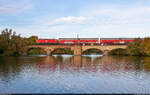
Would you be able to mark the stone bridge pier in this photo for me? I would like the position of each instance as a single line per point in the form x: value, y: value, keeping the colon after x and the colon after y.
x: 77, y: 50
x: 48, y: 52
x: 105, y: 52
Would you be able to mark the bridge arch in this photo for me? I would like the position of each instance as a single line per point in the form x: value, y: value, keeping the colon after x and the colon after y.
x: 92, y: 51
x: 35, y: 51
x: 62, y: 51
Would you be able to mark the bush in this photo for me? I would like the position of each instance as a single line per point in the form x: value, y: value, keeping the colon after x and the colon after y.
x: 118, y: 52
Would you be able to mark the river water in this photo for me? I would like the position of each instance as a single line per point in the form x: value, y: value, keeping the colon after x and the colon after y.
x: 74, y: 74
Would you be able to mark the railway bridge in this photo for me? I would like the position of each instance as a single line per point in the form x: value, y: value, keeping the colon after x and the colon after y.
x: 77, y: 49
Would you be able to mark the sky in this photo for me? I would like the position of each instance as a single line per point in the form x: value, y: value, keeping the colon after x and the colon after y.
x: 69, y: 18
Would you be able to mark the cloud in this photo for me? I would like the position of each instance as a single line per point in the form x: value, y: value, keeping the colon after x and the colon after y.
x: 111, y: 15
x: 118, y: 22
x: 15, y: 7
x: 71, y: 19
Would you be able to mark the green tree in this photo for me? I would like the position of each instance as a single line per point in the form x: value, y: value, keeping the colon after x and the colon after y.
x: 135, y: 47
x: 5, y: 39
x: 32, y: 40
x: 145, y: 47
x: 18, y: 44
x: 10, y: 43
x: 118, y: 51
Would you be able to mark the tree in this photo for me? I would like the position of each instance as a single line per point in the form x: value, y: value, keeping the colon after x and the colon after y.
x: 18, y: 44
x: 10, y: 43
x: 5, y: 38
x: 135, y: 47
x: 118, y: 51
x: 145, y: 46
x: 32, y: 40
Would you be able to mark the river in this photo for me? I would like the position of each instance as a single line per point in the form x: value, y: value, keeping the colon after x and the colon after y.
x: 74, y: 74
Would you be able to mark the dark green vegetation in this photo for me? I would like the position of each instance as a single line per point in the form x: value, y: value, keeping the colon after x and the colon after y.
x: 118, y: 52
x: 13, y: 44
x: 92, y: 51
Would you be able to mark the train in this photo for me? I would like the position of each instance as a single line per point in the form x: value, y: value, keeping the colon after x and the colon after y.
x: 87, y: 41
x: 116, y: 41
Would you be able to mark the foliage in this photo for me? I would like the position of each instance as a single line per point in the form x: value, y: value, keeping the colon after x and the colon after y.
x: 145, y: 46
x: 32, y: 40
x: 36, y: 51
x: 118, y: 52
x: 11, y: 44
x: 135, y: 48
x: 92, y: 51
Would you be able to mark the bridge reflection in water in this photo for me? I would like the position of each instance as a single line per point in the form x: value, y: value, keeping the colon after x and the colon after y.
x: 89, y: 64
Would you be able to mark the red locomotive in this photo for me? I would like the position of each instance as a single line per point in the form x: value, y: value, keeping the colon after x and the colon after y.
x: 87, y: 41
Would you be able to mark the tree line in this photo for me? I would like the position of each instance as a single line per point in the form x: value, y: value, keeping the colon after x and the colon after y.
x: 13, y: 44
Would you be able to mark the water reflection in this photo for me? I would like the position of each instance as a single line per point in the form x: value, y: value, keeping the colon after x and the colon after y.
x: 72, y: 63
x: 93, y: 64
x: 9, y: 68
x: 56, y: 74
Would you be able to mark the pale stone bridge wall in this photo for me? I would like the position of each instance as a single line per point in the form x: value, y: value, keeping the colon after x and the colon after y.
x: 78, y: 50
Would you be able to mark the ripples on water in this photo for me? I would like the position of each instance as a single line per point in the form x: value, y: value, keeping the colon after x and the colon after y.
x: 74, y: 74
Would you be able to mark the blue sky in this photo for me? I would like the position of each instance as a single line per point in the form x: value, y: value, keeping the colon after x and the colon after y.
x: 67, y: 18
